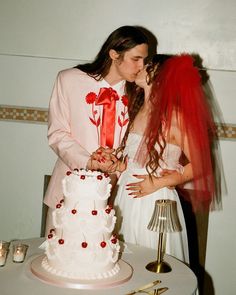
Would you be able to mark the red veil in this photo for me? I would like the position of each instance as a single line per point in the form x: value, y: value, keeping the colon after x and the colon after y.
x: 178, y: 88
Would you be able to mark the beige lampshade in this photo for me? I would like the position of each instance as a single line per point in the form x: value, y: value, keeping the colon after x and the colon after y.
x: 165, y: 217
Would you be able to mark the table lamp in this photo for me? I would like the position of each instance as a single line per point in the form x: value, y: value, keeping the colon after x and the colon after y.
x: 164, y: 220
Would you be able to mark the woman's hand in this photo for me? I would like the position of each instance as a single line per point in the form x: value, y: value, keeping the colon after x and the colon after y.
x: 103, y: 159
x: 147, y: 185
x: 103, y: 154
x: 118, y: 165
x: 150, y: 184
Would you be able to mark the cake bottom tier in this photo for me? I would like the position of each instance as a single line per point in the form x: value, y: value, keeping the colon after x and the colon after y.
x: 123, y: 275
x: 90, y: 272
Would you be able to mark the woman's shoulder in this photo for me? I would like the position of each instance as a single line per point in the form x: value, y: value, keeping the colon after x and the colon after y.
x: 174, y: 133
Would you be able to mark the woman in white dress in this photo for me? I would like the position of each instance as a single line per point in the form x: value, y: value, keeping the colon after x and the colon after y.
x: 169, y: 119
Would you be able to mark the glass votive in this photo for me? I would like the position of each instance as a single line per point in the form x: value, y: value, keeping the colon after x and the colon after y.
x: 4, y: 244
x: 3, y: 256
x: 19, y: 252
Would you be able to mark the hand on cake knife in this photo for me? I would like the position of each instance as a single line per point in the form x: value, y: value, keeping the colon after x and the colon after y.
x: 150, y: 285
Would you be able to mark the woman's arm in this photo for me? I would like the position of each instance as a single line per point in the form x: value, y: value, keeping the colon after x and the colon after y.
x: 150, y: 184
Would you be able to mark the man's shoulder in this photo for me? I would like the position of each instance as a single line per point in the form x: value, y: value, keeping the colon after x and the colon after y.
x: 76, y: 80
x: 73, y: 73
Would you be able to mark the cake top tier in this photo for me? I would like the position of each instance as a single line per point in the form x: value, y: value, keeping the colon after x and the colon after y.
x: 86, y: 185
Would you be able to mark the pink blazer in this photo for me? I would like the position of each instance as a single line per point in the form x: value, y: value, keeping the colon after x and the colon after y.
x: 74, y: 124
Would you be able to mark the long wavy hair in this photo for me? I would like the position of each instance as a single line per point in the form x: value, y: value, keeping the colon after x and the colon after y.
x: 121, y: 40
x: 177, y: 90
x: 136, y: 101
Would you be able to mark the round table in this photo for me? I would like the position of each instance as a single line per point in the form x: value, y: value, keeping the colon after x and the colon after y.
x: 16, y: 278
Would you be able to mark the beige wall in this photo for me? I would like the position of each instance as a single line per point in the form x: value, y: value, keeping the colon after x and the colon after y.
x: 38, y: 38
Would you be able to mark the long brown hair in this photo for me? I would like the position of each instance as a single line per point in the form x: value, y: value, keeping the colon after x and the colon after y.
x: 121, y: 40
x: 136, y: 100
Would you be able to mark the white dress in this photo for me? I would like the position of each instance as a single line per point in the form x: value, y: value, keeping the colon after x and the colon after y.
x: 134, y: 214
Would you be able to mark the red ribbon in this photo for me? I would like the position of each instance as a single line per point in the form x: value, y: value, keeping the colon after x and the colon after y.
x: 107, y: 97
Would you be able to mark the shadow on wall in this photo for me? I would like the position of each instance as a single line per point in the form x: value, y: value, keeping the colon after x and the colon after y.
x: 197, y: 229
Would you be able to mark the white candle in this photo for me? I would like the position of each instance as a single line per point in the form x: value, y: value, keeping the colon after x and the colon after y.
x: 19, y: 252
x: 18, y: 255
x: 3, y: 256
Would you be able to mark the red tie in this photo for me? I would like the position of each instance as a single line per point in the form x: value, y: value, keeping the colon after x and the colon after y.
x: 107, y: 97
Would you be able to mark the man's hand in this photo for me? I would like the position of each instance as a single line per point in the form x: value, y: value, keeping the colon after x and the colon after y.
x: 166, y: 172
x: 103, y: 159
x: 119, y: 165
x: 102, y: 154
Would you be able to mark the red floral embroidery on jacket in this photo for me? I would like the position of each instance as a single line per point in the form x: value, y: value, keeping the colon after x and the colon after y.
x: 125, y: 100
x: 123, y: 117
x: 95, y: 118
x: 90, y: 97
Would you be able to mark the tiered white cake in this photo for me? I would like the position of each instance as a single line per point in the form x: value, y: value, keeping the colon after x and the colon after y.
x: 82, y: 246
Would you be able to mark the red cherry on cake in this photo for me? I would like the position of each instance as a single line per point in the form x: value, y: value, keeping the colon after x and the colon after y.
x: 58, y: 206
x: 84, y: 245
x: 114, y: 241
x: 51, y: 230
x: 61, y: 241
x: 68, y: 173
x: 50, y: 236
x: 103, y: 244
x: 94, y: 212
x: 73, y: 211
x: 99, y: 177
x: 82, y: 177
x: 108, y: 210
x: 106, y: 174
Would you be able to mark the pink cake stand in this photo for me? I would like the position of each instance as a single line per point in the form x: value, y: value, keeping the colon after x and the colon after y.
x: 121, y: 277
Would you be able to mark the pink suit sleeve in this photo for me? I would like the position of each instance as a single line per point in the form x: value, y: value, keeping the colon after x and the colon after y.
x: 60, y: 136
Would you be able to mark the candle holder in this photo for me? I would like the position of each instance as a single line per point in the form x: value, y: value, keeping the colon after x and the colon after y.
x: 19, y: 252
x: 3, y: 256
x: 4, y: 248
x: 164, y: 220
x: 4, y: 244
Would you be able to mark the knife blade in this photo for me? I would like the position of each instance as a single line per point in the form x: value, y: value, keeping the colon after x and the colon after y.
x: 147, y: 286
x: 161, y: 290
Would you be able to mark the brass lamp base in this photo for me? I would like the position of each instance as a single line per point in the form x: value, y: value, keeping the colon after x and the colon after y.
x: 160, y: 267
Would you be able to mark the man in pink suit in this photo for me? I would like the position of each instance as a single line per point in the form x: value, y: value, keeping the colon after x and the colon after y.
x: 88, y: 107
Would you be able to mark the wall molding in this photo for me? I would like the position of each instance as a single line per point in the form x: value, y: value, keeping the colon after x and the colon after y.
x: 23, y: 114
x: 40, y: 116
